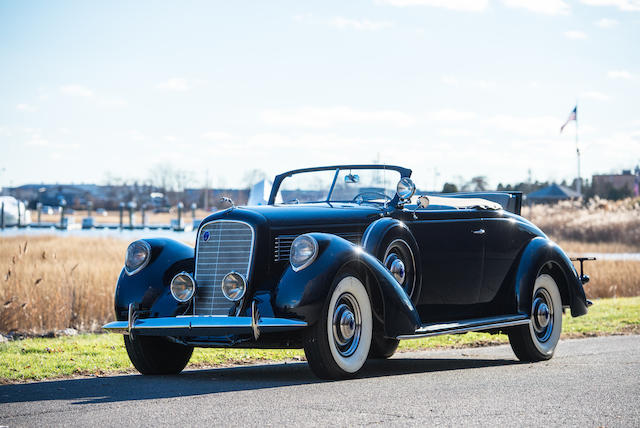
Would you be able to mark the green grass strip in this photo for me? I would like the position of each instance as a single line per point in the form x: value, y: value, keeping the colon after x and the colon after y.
x: 100, y: 354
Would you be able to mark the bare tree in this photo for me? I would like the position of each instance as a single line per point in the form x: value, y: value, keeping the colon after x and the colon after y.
x: 167, y: 178
x: 253, y: 176
x: 478, y: 183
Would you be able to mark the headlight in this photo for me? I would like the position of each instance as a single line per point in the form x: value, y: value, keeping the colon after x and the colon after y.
x: 304, y: 250
x: 234, y: 286
x: 138, y: 254
x: 182, y: 287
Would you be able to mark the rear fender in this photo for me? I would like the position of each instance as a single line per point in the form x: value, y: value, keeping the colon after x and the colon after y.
x: 542, y: 255
x: 149, y: 288
x: 302, y: 294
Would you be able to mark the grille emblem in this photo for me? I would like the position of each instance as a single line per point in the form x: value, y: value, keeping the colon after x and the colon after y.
x: 205, y: 236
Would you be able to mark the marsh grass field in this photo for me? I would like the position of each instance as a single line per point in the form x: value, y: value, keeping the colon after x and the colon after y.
x: 50, y: 283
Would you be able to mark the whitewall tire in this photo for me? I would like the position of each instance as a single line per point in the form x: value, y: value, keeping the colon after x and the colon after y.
x: 339, y: 343
x: 538, y: 340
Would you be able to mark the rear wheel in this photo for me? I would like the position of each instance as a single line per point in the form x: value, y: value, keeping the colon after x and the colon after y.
x: 537, y: 341
x: 399, y: 259
x: 153, y: 355
x: 338, y: 344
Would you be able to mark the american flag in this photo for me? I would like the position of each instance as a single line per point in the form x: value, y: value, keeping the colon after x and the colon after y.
x: 572, y: 116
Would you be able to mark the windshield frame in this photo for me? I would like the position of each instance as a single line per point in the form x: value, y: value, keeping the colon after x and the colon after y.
x: 404, y: 172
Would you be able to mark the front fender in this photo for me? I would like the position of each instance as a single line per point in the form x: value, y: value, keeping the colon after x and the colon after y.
x: 540, y: 254
x: 149, y: 288
x: 302, y: 294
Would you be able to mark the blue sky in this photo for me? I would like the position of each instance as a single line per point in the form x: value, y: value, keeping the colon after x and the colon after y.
x: 449, y: 88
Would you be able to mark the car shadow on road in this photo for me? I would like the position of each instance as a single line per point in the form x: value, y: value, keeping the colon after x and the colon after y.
x: 211, y: 381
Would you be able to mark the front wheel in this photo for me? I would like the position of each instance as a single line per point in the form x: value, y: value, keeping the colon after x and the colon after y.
x: 537, y: 341
x: 338, y: 344
x: 153, y: 355
x: 382, y: 347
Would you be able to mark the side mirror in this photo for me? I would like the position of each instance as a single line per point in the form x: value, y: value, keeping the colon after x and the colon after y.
x: 423, y: 202
x: 405, y: 188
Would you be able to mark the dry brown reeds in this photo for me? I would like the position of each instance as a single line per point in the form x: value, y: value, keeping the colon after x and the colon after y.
x: 598, y: 221
x: 612, y: 278
x: 50, y: 283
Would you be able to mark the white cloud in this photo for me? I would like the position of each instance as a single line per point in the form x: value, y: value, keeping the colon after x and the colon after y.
x: 326, y: 117
x: 547, y: 7
x: 136, y: 135
x: 456, y: 132
x: 26, y: 108
x: 461, y: 5
x: 450, y: 115
x: 619, y: 74
x: 37, y: 140
x: 575, y: 35
x: 302, y: 17
x: 177, y: 84
x: 479, y: 84
x: 536, y: 126
x: 112, y: 101
x: 76, y: 91
x: 595, y: 95
x: 216, y: 135
x: 625, y: 5
x: 606, y: 23
x: 360, y: 24
x: 450, y: 80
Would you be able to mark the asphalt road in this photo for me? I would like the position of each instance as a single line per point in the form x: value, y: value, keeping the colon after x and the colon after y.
x: 589, y: 382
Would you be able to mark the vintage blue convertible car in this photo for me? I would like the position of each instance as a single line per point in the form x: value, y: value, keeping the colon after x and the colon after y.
x: 345, y: 261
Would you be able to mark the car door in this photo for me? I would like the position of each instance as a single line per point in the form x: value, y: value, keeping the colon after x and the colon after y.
x: 452, y: 252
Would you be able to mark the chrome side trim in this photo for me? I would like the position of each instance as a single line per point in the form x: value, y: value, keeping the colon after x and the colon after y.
x: 455, y: 327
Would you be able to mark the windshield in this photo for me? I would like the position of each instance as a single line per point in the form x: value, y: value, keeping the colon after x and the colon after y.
x: 339, y: 185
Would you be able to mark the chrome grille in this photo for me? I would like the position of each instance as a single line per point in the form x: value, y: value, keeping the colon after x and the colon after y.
x: 229, y: 248
x: 282, y: 245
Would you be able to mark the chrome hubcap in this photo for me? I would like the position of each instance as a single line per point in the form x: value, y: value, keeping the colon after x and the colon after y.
x: 542, y: 314
x: 396, y: 267
x: 347, y: 324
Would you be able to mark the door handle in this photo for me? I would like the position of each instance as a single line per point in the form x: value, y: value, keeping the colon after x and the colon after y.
x: 479, y: 232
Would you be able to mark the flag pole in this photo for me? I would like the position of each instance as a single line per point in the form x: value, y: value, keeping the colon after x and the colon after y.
x: 579, y: 182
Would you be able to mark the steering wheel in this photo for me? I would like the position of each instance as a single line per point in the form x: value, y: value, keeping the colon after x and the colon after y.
x: 361, y: 197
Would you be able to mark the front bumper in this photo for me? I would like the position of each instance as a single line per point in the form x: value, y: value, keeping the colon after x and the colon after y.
x: 196, y: 326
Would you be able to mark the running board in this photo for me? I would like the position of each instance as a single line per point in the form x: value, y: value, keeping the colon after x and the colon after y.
x: 465, y: 326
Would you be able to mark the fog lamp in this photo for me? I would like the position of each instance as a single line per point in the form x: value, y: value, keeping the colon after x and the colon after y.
x: 182, y: 287
x: 234, y: 285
